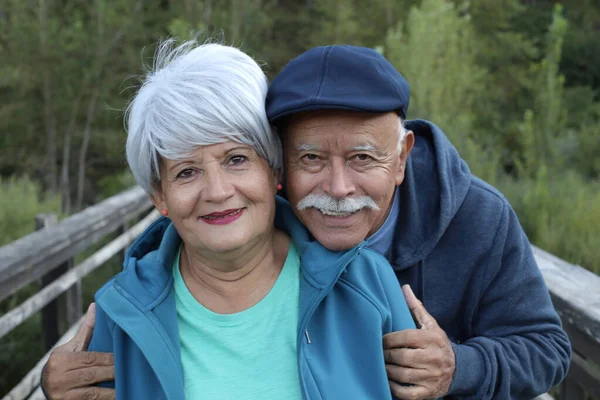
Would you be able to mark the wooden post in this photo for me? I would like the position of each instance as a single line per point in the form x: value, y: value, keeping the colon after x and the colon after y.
x: 63, y: 312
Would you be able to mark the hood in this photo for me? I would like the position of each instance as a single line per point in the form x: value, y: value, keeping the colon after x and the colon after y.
x: 147, y: 273
x: 435, y: 184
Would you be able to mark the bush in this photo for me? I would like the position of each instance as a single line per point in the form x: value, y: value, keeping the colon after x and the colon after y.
x: 114, y: 184
x: 21, y: 201
x: 560, y: 214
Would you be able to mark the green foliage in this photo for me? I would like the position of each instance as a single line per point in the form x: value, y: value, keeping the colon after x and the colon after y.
x: 111, y: 185
x: 437, y: 53
x: 582, y: 133
x: 525, y: 161
x: 22, y: 199
x: 182, y: 30
x: 560, y: 213
x: 549, y: 119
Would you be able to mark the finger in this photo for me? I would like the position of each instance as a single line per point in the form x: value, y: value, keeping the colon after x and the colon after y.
x: 405, y: 375
x: 91, y: 392
x: 423, y: 318
x: 408, y: 392
x: 411, y: 338
x: 82, y: 338
x: 89, y: 376
x: 408, y: 358
x: 84, y: 359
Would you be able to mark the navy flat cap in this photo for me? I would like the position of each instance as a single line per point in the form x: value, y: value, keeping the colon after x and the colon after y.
x: 338, y: 77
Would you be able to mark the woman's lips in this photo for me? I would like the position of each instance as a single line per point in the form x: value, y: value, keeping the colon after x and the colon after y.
x: 222, y: 217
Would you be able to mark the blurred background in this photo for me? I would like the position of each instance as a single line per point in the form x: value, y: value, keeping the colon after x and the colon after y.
x: 513, y: 83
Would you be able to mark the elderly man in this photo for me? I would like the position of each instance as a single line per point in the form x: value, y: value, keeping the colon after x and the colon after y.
x: 487, y: 326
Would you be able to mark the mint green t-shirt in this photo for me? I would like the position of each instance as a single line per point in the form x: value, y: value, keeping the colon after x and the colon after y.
x: 246, y: 355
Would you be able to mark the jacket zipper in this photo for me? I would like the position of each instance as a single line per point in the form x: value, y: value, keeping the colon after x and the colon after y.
x: 308, y: 316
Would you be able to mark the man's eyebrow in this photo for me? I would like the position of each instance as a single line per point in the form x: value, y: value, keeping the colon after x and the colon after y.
x: 368, y: 147
x: 306, y: 147
x: 363, y: 147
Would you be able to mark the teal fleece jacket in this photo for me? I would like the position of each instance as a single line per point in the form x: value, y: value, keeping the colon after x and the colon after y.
x: 348, y: 301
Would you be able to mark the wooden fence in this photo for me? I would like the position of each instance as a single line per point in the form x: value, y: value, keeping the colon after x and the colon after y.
x: 47, y: 256
x: 575, y: 293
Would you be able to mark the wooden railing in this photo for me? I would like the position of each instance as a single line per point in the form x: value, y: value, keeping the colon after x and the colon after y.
x: 47, y: 256
x: 575, y: 293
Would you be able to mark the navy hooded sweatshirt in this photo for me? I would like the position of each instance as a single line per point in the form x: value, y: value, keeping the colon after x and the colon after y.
x: 459, y: 244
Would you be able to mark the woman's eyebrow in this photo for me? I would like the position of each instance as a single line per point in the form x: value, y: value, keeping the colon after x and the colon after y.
x: 178, y: 164
x: 240, y: 147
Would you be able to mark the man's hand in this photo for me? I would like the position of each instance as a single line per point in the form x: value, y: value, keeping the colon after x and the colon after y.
x: 421, y: 357
x: 71, y: 370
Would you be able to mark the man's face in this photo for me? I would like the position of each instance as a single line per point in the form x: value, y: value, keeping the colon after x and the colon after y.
x: 341, y: 170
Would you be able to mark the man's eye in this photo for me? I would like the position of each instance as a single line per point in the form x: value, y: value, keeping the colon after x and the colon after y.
x: 310, y: 157
x: 363, y: 157
x: 237, y: 159
x: 185, y: 173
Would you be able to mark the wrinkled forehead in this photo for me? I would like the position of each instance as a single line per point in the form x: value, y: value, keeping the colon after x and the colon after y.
x: 338, y: 142
x: 343, y: 129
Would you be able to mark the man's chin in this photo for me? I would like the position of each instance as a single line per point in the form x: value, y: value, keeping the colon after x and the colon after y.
x: 340, y: 246
x: 337, y: 241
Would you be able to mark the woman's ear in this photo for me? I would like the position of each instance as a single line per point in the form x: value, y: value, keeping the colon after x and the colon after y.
x: 158, y: 200
x: 277, y: 179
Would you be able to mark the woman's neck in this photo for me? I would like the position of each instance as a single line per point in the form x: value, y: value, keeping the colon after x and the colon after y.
x: 230, y: 283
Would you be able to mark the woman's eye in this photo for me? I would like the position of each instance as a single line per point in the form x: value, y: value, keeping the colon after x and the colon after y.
x: 237, y: 159
x: 185, y: 173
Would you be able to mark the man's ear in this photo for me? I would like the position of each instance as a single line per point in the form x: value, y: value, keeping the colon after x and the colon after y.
x: 407, y: 144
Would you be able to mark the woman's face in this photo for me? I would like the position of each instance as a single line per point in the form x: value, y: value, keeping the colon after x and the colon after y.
x: 221, y: 199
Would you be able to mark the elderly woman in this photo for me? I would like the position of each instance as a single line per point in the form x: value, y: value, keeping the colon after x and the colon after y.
x: 228, y: 296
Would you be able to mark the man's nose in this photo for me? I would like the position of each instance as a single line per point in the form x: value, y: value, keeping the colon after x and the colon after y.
x: 339, y: 183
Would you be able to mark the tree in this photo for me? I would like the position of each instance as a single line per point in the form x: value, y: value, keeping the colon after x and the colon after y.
x: 437, y: 51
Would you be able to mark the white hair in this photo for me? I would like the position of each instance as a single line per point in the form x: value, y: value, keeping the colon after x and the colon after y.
x: 197, y: 95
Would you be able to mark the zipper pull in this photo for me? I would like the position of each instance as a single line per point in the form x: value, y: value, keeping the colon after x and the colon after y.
x: 307, y: 337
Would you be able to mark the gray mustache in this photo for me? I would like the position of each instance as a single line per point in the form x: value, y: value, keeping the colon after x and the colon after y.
x: 345, y: 205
